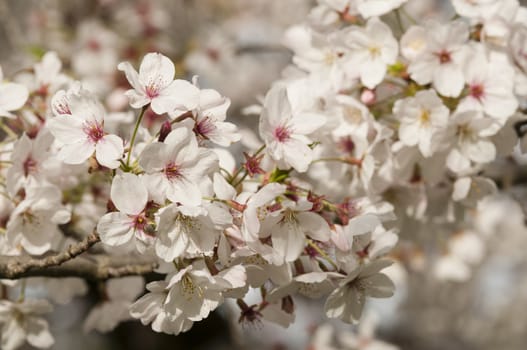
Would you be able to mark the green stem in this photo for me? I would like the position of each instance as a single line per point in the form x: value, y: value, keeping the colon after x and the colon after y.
x: 22, y: 295
x: 135, y: 134
x: 8, y: 130
x: 322, y: 254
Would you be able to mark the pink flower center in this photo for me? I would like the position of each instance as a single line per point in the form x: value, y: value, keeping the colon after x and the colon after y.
x: 444, y: 56
x: 477, y: 91
x: 139, y: 222
x: 282, y: 133
x: 204, y: 127
x: 172, y: 171
x: 94, y: 131
x: 346, y: 145
x: 62, y: 107
x: 153, y: 87
x: 30, y: 166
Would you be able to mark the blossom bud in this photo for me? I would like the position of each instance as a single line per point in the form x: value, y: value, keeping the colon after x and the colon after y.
x: 166, y: 128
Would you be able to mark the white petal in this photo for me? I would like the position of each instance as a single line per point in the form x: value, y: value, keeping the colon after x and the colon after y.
x: 109, y: 150
x: 288, y: 240
x: 156, y: 68
x: 66, y: 129
x: 12, y: 96
x: 184, y: 192
x: 128, y: 193
x: 115, y: 229
x: 38, y: 333
x: 180, y: 95
x: 131, y: 75
x: 76, y: 153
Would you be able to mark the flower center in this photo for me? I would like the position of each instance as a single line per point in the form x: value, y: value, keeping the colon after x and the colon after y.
x: 444, y: 56
x: 94, y: 131
x: 477, y: 91
x: 205, y: 127
x: 424, y: 118
x: 346, y: 145
x: 172, y: 171
x: 282, y: 133
x: 374, y: 51
x: 189, y: 288
x: 153, y: 87
x: 140, y: 223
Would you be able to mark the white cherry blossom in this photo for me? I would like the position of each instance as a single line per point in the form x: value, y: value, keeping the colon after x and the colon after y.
x: 490, y: 80
x: 285, y: 134
x: 471, y: 133
x: 155, y: 84
x: 424, y: 121
x: 441, y: 61
x: 82, y: 133
x: 33, y: 223
x: 177, y: 167
x: 130, y: 196
x: 23, y: 321
x: 347, y: 301
x: 372, y: 49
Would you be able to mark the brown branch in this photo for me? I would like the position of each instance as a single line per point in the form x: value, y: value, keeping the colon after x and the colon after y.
x: 100, y: 267
x: 64, y: 264
x: 18, y: 266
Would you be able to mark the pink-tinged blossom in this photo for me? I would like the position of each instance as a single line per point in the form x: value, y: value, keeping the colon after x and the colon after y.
x: 82, y: 133
x: 286, y: 135
x: 130, y: 196
x: 13, y: 96
x: 209, y: 118
x: 23, y: 321
x: 177, y: 167
x: 155, y: 84
x: 440, y: 60
x: 490, y: 82
x: 29, y: 158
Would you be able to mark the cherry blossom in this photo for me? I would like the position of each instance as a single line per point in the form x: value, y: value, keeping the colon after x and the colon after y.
x: 347, y: 301
x: 285, y: 134
x: 372, y: 49
x: 23, y: 322
x: 440, y: 60
x: 130, y: 196
x: 82, y: 133
x: 155, y: 85
x: 424, y: 121
x: 177, y: 167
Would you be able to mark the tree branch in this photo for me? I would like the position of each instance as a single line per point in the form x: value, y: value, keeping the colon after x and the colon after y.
x: 64, y: 264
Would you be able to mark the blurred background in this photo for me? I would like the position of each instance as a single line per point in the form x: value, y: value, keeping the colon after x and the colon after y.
x: 235, y: 47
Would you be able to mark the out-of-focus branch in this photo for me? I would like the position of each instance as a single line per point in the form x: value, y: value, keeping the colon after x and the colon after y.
x: 100, y: 267
x: 17, y: 267
x: 64, y: 264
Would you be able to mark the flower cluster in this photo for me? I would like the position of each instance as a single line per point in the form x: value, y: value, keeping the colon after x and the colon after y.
x: 382, y: 125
